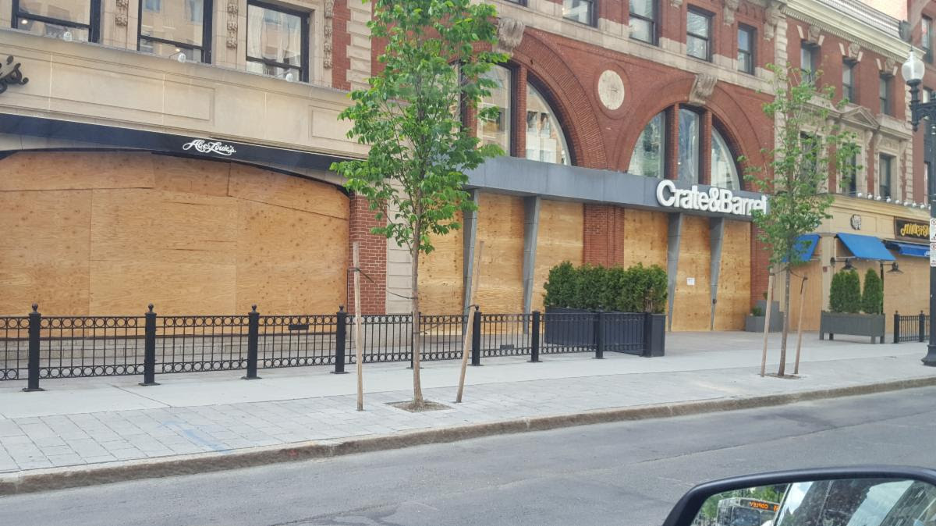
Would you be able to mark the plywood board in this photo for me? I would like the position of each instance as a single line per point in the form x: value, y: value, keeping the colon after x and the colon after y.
x: 263, y: 186
x: 290, y: 261
x: 645, y: 238
x: 195, y: 176
x: 907, y: 293
x: 559, y: 238
x: 76, y: 171
x: 691, y: 309
x: 150, y: 225
x: 500, y: 226
x: 440, y: 274
x: 734, y: 280
x: 44, y: 251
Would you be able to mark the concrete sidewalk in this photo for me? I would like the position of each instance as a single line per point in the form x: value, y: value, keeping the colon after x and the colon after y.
x: 107, y: 422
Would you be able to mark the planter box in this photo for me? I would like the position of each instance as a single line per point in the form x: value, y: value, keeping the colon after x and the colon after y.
x: 756, y: 323
x: 833, y: 323
x: 633, y: 333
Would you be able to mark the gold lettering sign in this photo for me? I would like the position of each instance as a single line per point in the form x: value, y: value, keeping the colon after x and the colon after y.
x: 911, y: 229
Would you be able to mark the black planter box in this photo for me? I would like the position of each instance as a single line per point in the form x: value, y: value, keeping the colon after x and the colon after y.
x: 633, y: 333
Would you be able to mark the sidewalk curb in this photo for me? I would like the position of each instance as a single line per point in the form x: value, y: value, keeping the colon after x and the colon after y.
x: 77, y: 476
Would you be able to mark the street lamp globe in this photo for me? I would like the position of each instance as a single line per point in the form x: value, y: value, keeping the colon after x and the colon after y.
x: 913, y: 68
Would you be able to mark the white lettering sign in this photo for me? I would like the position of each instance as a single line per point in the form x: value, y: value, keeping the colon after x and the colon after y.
x: 719, y: 200
x: 932, y: 231
x: 216, y: 147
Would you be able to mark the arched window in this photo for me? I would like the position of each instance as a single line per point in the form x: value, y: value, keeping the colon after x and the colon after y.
x: 648, y: 156
x: 497, y: 131
x: 689, y: 139
x: 724, y: 168
x: 545, y: 140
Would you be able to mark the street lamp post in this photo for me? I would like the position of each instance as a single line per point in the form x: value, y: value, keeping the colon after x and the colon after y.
x: 913, y: 70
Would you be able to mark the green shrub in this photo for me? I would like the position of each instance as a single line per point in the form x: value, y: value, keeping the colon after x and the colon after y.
x: 845, y: 293
x: 872, y: 299
x: 635, y: 289
x: 560, y: 285
x: 757, y: 311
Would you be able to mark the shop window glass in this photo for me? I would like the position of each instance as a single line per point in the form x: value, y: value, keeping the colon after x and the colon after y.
x: 275, y: 42
x: 173, y: 27
x: 545, y: 140
x: 724, y: 167
x: 64, y: 19
x: 689, y: 136
x: 497, y: 131
x: 649, y: 153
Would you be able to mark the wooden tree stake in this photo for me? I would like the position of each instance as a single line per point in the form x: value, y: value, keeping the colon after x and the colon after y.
x: 475, y: 276
x: 763, y: 363
x: 799, y: 324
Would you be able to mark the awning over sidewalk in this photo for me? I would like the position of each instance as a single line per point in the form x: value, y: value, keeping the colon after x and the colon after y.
x: 806, y: 246
x: 909, y: 249
x: 866, y: 247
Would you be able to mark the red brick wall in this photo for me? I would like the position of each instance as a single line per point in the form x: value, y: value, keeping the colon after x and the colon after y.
x: 373, y: 256
x: 341, y: 39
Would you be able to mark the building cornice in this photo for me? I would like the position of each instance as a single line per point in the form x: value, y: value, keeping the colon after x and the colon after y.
x: 845, y: 26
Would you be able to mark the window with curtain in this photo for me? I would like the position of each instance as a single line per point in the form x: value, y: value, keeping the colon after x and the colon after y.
x: 724, y: 166
x: 582, y: 11
x: 649, y: 153
x: 173, y: 27
x: 643, y: 20
x: 689, y: 139
x: 545, y: 140
x: 65, y: 19
x: 699, y: 34
x: 497, y: 131
x: 275, y: 40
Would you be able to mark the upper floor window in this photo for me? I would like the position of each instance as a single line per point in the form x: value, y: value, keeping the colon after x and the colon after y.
x: 277, y: 41
x: 699, y: 34
x: 77, y: 20
x: 808, y: 62
x: 497, y: 131
x: 926, y: 38
x: 885, y: 94
x: 648, y: 158
x: 580, y: 10
x: 518, y: 2
x: 885, y: 164
x: 545, y: 139
x: 848, y: 81
x: 649, y: 154
x: 176, y: 27
x: 852, y: 174
x: 643, y: 20
x: 746, y: 49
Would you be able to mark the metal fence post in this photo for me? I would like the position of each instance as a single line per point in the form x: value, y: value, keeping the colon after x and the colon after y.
x: 35, y: 323
x: 599, y: 337
x: 476, y: 338
x: 341, y: 334
x: 922, y: 327
x: 149, y: 348
x: 253, y: 341
x: 535, y: 337
x: 896, y: 327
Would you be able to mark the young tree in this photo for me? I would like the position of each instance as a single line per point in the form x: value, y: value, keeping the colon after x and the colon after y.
x: 413, y: 177
x: 809, y: 144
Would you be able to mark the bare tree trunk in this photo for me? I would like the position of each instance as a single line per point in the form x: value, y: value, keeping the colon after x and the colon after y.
x: 799, y: 325
x: 786, y: 321
x: 770, y: 287
x: 417, y: 340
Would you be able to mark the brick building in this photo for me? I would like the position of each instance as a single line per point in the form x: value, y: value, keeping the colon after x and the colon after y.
x: 178, y: 155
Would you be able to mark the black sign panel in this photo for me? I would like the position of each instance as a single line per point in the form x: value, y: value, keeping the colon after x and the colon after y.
x: 915, y: 230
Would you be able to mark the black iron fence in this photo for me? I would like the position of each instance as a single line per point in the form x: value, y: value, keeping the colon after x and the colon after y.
x: 36, y: 347
x: 912, y: 328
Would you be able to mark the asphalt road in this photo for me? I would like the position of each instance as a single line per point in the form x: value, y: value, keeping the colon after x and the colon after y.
x: 622, y: 474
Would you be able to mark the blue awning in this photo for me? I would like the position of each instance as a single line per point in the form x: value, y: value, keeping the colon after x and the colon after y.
x: 909, y: 249
x: 866, y: 247
x: 805, y: 247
